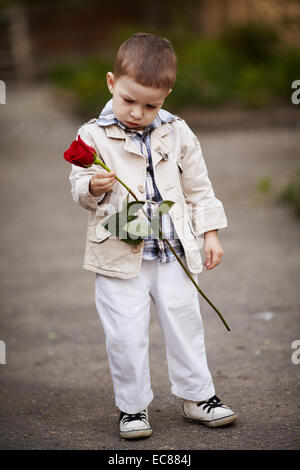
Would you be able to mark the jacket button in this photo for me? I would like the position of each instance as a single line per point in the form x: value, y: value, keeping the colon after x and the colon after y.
x: 165, y: 156
x: 141, y: 188
x: 135, y: 249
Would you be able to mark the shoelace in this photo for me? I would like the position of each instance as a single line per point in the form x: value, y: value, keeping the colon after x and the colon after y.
x: 126, y: 418
x: 213, y: 402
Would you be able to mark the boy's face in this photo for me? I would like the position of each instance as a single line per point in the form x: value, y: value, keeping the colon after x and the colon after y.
x: 135, y: 105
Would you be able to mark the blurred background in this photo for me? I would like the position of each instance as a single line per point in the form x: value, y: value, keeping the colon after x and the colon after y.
x: 237, y: 62
x: 242, y: 52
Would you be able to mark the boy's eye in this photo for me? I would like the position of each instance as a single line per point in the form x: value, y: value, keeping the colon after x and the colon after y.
x: 149, y: 106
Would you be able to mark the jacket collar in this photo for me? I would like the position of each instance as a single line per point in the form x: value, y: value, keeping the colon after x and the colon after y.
x: 116, y: 129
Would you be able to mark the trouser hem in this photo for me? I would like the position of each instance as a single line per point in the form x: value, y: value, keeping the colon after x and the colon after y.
x: 133, y: 409
x: 204, y: 395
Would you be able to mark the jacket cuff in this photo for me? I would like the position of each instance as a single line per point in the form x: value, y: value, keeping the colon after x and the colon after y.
x: 211, y: 219
x: 86, y: 199
x: 214, y: 227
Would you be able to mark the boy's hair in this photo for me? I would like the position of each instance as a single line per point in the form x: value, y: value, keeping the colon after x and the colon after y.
x: 150, y: 60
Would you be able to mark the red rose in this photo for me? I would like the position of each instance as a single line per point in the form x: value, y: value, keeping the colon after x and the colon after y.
x: 80, y: 154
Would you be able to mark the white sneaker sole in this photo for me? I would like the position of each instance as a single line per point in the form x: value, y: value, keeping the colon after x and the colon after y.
x: 136, y: 434
x: 214, y: 423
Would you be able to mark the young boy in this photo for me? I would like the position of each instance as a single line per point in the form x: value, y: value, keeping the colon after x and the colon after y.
x: 159, y: 158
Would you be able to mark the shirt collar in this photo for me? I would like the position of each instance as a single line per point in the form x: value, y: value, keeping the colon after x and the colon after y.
x: 107, y: 118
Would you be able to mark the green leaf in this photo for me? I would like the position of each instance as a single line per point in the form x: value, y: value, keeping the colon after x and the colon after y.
x: 115, y: 224
x: 134, y: 206
x: 131, y: 241
x: 138, y: 227
x: 165, y: 206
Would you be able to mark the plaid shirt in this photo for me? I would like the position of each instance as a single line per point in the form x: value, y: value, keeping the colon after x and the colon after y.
x: 153, y: 248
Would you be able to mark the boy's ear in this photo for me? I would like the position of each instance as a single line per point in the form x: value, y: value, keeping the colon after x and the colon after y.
x: 110, y: 79
x: 169, y: 92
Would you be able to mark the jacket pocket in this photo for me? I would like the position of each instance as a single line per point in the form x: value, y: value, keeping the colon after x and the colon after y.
x: 97, y: 233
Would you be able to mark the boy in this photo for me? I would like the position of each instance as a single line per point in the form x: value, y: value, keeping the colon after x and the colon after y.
x: 159, y: 158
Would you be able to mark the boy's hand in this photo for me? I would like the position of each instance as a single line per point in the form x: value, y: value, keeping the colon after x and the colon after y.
x: 101, y: 182
x: 212, y: 249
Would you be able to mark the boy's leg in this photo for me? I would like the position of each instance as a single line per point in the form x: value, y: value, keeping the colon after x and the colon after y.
x: 124, y: 309
x: 178, y: 313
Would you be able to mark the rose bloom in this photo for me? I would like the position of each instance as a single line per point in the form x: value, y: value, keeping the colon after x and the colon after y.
x: 80, y: 154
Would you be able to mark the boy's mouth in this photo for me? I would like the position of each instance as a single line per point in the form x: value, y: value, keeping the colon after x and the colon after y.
x: 132, y: 124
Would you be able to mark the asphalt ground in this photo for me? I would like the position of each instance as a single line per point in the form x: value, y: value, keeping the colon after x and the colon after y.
x: 56, y: 390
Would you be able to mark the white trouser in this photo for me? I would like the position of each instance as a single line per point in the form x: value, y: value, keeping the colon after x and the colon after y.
x: 124, y: 309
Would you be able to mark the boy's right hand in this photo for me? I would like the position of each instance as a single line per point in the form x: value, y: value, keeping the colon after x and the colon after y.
x: 101, y: 182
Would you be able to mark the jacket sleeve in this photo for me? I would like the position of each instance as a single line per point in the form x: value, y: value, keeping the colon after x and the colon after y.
x: 80, y: 179
x: 206, y: 210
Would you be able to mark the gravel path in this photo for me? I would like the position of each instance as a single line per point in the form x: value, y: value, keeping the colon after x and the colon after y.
x: 56, y: 390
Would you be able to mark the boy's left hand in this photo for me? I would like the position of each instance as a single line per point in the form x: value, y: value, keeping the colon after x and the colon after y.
x: 212, y: 249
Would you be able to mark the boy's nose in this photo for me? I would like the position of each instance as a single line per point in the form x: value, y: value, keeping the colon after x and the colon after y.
x: 136, y: 113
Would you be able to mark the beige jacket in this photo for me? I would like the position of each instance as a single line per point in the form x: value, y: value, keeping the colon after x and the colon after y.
x: 181, y: 176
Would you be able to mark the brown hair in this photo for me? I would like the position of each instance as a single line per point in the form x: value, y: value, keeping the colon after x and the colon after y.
x: 150, y: 60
